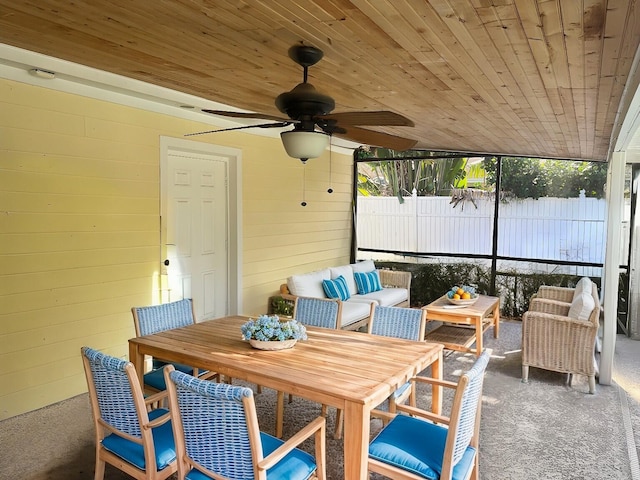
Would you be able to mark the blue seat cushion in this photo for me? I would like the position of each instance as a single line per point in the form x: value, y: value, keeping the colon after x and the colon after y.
x: 155, y: 378
x: 417, y: 446
x: 296, y: 465
x: 178, y: 366
x: 133, y: 453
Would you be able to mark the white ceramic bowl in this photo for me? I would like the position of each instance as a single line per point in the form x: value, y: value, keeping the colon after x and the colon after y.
x: 469, y: 301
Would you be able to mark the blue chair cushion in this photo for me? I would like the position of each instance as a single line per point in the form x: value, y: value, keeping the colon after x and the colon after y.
x: 397, y: 445
x: 296, y: 465
x: 155, y: 378
x: 178, y: 366
x: 133, y: 453
x: 367, y: 282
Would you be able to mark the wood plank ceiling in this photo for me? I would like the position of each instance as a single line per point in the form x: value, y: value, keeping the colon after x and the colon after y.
x: 524, y: 77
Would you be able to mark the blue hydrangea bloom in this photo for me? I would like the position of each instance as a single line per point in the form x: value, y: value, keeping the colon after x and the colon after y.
x: 270, y: 328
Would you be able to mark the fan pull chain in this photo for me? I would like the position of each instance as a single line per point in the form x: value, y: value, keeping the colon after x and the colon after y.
x: 330, y: 190
x: 304, y: 196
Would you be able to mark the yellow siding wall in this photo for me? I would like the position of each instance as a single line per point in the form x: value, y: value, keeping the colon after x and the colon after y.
x: 79, y: 230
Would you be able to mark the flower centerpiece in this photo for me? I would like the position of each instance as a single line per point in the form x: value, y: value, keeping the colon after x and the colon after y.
x: 267, y: 332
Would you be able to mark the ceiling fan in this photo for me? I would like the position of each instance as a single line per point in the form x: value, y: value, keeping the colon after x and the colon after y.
x: 309, y: 112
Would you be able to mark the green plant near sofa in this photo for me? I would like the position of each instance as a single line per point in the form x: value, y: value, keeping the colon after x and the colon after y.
x: 281, y: 306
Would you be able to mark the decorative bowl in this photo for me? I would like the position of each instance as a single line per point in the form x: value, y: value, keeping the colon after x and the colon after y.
x: 457, y: 291
x: 465, y: 302
x: 272, y: 344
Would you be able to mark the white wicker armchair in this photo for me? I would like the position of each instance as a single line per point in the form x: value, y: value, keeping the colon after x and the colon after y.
x: 553, y: 341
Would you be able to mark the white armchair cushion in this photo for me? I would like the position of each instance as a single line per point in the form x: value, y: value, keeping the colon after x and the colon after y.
x: 583, y: 285
x: 309, y: 284
x: 581, y: 307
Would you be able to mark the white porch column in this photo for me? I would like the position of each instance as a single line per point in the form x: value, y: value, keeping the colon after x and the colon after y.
x: 615, y: 202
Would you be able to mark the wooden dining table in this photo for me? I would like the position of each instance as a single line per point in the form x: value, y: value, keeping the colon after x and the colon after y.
x: 349, y: 370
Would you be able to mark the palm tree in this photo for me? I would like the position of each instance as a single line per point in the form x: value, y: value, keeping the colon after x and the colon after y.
x: 400, y: 173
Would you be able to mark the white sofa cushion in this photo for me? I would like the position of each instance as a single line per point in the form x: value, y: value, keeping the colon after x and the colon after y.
x: 354, y: 311
x: 582, y: 306
x: 308, y: 284
x: 347, y: 272
x: 364, y: 267
x: 583, y: 285
x: 387, y: 297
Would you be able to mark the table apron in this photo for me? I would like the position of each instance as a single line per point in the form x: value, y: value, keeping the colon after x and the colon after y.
x: 274, y: 383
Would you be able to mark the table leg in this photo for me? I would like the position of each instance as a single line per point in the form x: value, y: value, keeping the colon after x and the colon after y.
x: 496, y: 320
x: 479, y: 346
x: 356, y: 441
x: 436, y: 394
x: 279, y: 413
x: 137, y: 359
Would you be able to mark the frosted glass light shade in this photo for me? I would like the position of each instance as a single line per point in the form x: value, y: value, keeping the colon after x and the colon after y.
x: 304, y: 145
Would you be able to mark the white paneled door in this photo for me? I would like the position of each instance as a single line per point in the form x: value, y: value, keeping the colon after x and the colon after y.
x: 197, y: 231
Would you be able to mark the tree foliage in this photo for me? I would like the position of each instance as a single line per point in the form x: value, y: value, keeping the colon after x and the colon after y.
x: 535, y: 178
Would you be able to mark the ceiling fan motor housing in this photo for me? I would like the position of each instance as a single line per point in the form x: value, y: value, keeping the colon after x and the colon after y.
x: 304, y: 100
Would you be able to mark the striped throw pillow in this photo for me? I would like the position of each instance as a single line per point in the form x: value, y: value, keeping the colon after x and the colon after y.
x: 336, y: 288
x: 367, y: 282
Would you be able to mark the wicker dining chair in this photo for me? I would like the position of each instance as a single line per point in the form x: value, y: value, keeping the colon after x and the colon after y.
x: 129, y: 436
x: 159, y: 318
x: 398, y: 322
x: 424, y: 445
x: 217, y: 435
x: 316, y: 312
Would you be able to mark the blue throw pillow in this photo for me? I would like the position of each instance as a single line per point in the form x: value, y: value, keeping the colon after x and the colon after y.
x: 336, y: 288
x: 367, y: 282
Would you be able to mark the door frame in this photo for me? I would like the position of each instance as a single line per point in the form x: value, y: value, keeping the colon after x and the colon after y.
x: 233, y: 158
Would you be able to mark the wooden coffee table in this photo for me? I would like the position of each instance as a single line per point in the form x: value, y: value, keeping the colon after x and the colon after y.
x: 464, y: 326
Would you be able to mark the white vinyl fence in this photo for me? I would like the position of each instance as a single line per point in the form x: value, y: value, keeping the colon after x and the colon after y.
x: 567, y: 229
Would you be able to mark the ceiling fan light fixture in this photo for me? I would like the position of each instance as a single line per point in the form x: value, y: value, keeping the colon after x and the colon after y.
x: 304, y: 145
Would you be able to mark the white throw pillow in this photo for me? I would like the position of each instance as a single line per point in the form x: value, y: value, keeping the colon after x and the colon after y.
x: 347, y: 272
x: 309, y: 284
x: 583, y: 285
x: 581, y: 307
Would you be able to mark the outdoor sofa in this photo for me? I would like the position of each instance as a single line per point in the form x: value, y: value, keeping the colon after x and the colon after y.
x: 356, y: 286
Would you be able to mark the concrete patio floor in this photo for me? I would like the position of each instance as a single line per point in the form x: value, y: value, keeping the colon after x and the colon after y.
x: 56, y: 442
